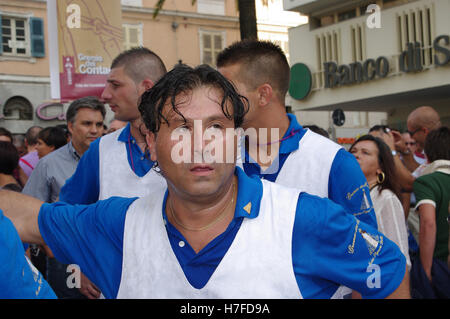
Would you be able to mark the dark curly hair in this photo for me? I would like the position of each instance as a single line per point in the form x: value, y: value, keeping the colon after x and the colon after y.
x: 184, y: 79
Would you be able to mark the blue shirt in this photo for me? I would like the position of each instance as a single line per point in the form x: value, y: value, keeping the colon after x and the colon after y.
x: 18, y: 278
x: 347, y: 185
x: 84, y: 185
x: 328, y: 246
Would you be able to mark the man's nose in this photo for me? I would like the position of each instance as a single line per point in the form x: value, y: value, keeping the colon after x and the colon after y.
x: 106, y: 96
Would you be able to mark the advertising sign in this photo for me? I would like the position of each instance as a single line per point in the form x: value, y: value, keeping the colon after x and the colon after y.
x: 84, y: 36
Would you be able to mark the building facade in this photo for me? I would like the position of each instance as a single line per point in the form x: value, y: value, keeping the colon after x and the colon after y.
x: 375, y: 60
x: 182, y: 32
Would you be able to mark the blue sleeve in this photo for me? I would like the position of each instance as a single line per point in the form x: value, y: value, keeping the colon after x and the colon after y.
x: 19, y: 279
x: 84, y: 187
x: 332, y: 248
x: 90, y: 236
x: 348, y: 187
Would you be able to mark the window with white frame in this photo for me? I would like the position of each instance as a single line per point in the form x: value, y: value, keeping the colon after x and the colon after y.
x: 132, y: 36
x: 14, y: 36
x: 21, y: 36
x: 211, y: 43
x: 211, y: 7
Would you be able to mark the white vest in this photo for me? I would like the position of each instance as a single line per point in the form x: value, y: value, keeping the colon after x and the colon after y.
x: 308, y: 168
x: 258, y: 264
x: 116, y: 176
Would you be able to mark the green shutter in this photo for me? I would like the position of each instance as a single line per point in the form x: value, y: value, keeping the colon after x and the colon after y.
x: 37, y: 37
x: 1, y: 39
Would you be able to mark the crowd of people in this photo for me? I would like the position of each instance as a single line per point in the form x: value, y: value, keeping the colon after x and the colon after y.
x: 292, y: 214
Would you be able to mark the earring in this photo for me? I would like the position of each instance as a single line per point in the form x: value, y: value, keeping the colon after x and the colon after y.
x: 382, y: 178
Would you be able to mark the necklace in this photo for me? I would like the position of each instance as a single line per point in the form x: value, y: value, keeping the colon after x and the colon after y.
x: 283, y: 139
x: 219, y: 218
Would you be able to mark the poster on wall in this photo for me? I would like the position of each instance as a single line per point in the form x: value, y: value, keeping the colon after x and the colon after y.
x: 84, y: 38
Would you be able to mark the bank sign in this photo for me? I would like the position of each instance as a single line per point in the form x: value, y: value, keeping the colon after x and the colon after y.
x: 336, y: 75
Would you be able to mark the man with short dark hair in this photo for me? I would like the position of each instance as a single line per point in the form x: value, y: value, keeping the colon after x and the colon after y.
x: 118, y: 164
x: 213, y: 232
x: 299, y: 158
x: 85, y: 118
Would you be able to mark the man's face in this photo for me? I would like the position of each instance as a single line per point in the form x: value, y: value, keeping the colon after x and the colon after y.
x: 419, y: 134
x: 410, y: 142
x: 202, y: 136
x: 232, y: 73
x: 87, y: 126
x: 122, y: 95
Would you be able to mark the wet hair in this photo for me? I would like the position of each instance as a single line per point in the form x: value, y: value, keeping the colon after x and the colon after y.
x: 53, y: 136
x: 5, y: 132
x: 437, y: 144
x: 9, y: 158
x: 261, y: 62
x: 385, y: 161
x: 89, y: 102
x: 184, y: 79
x: 140, y: 63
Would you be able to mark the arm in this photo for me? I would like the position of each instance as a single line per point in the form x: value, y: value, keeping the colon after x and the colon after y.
x: 403, y: 291
x: 23, y: 211
x: 330, y: 246
x: 347, y: 186
x: 427, y: 236
x: 404, y: 176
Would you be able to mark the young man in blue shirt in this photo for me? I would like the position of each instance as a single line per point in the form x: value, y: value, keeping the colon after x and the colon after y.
x: 213, y: 232
x: 300, y: 158
x: 121, y: 157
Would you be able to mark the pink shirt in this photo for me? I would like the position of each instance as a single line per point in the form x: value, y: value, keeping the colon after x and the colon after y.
x: 28, y: 162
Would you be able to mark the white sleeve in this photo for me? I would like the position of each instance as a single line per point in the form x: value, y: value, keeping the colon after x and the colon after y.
x: 392, y: 223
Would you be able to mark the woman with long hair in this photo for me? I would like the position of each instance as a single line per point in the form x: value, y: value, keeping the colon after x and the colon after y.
x: 377, y: 164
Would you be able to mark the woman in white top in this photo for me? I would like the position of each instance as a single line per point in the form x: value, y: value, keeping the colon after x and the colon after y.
x: 377, y: 164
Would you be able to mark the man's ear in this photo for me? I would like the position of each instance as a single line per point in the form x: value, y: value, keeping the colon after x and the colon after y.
x: 150, y: 138
x: 70, y: 127
x: 147, y: 84
x: 265, y: 94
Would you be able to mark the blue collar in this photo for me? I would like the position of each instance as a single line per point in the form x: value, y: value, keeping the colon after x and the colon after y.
x: 292, y: 137
x: 126, y: 134
x: 291, y: 141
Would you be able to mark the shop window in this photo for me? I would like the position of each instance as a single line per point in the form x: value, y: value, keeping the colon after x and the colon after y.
x: 21, y: 36
x: 211, y: 43
x: 18, y: 108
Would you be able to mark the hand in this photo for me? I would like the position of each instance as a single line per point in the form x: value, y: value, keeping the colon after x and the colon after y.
x: 388, y: 137
x: 399, y: 142
x: 88, y: 288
